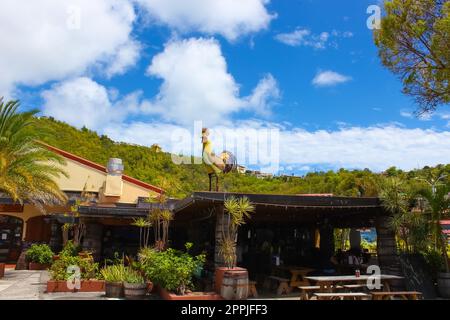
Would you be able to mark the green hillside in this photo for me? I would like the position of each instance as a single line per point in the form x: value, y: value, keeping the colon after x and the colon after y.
x: 157, y: 167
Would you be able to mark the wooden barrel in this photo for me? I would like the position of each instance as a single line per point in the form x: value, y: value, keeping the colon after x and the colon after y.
x: 235, y: 285
x: 135, y: 290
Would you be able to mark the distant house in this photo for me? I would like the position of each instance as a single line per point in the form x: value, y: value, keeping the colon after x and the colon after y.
x: 241, y: 169
x: 155, y: 148
x: 259, y: 174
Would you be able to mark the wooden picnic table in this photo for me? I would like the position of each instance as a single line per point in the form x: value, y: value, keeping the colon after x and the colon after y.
x: 298, y: 275
x: 329, y: 283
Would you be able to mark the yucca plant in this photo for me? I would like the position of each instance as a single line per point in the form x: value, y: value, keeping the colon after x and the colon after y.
x: 160, y: 218
x: 236, y: 211
x: 28, y: 171
x: 144, y: 226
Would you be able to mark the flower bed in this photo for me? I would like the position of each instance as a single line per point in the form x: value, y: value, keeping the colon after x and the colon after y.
x: 86, y: 286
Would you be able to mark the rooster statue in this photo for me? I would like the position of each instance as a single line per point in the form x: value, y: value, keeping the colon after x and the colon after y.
x: 215, y: 165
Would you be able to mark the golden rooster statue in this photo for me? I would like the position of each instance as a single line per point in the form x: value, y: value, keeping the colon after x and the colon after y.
x: 216, y: 165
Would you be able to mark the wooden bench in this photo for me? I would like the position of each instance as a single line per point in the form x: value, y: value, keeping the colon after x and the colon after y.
x: 406, y: 295
x: 341, y: 296
x: 252, y: 292
x: 306, y: 291
x: 283, y: 284
x: 356, y: 287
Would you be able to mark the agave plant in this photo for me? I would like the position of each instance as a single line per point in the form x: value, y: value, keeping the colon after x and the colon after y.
x: 236, y: 211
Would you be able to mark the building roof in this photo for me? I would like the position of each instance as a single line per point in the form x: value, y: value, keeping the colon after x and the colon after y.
x: 99, y: 167
x: 341, y: 211
x: 348, y: 211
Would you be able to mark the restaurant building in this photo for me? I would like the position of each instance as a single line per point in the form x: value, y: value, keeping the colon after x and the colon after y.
x: 284, y: 229
x: 107, y: 187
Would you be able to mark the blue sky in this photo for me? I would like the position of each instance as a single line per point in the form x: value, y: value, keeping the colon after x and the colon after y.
x: 138, y: 70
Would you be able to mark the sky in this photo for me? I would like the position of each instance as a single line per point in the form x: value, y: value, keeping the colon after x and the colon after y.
x: 141, y: 70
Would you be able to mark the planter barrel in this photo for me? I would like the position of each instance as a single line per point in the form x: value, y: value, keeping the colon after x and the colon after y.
x: 235, y: 285
x: 218, y: 276
x: 444, y: 284
x: 134, y: 290
x: 86, y: 286
x: 114, y: 289
x: 37, y: 266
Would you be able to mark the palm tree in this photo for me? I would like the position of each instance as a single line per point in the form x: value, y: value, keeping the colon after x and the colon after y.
x: 27, y: 170
x: 398, y: 199
x: 437, y: 205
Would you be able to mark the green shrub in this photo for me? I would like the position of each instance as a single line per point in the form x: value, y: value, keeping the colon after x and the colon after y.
x: 171, y: 269
x: 133, y: 276
x: 114, y: 273
x: 434, y: 260
x: 70, y: 249
x: 69, y: 257
x: 40, y: 253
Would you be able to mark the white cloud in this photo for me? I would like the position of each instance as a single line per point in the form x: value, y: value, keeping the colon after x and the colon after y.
x: 84, y: 102
x: 304, y: 37
x: 197, y: 86
x: 125, y: 56
x: 230, y: 18
x: 329, y: 78
x: 79, y: 102
x: 406, y: 114
x: 376, y: 147
x: 52, y: 40
x: 294, y: 38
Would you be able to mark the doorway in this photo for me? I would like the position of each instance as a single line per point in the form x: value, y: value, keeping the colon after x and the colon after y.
x: 10, y: 238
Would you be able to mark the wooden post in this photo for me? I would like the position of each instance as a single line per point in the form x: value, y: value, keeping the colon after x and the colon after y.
x: 388, y: 258
x: 218, y: 260
x: 56, y: 240
x: 326, y: 244
x: 92, y: 240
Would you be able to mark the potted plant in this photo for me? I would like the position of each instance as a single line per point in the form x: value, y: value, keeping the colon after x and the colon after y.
x: 172, y: 271
x: 40, y: 257
x: 134, y: 284
x: 114, y: 276
x: 60, y: 272
x: 234, y: 215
